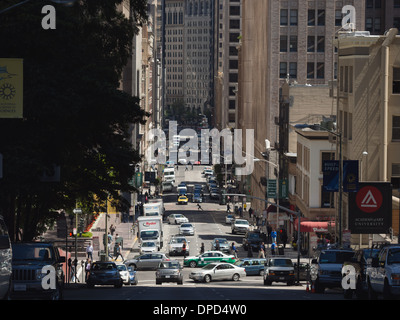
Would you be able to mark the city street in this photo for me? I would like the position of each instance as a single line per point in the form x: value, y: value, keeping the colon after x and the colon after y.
x: 209, y: 224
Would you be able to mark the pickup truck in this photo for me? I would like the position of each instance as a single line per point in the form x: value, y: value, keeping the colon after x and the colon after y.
x: 383, y: 274
x: 30, y: 265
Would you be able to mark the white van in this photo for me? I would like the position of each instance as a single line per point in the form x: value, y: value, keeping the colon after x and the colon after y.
x: 5, y: 260
x: 169, y: 175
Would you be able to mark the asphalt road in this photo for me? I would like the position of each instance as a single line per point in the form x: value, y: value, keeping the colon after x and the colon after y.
x: 209, y: 224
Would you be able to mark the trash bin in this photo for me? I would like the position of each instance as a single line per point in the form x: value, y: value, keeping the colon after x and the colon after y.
x: 281, y: 250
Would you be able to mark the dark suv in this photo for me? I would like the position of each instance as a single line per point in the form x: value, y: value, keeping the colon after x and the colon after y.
x: 37, y: 271
x: 253, y: 239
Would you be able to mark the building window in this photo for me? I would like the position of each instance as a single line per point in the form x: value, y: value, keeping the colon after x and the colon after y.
x: 284, y: 17
x: 283, y: 43
x: 321, y: 17
x: 311, y: 18
x: 396, y: 128
x: 293, y: 43
x: 320, y: 44
x: 396, y: 3
x: 368, y: 24
x: 293, y: 17
x: 338, y: 18
x: 310, y: 70
x: 320, y: 70
x: 310, y: 44
x: 283, y: 70
x: 396, y: 80
x: 293, y: 70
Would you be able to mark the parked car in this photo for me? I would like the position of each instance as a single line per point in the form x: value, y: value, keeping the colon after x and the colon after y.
x: 229, y: 218
x: 177, y: 218
x: 360, y: 262
x: 218, y: 271
x: 169, y: 271
x: 187, y: 229
x: 175, y: 245
x: 167, y: 186
x: 208, y: 257
x: 252, y: 266
x: 104, y: 273
x: 183, y: 199
x: 278, y: 270
x: 326, y: 268
x: 146, y: 261
x: 133, y: 276
x: 214, y: 193
x: 124, y: 273
x: 240, y: 226
x: 29, y: 260
x: 5, y: 260
x: 224, y: 245
x: 148, y: 246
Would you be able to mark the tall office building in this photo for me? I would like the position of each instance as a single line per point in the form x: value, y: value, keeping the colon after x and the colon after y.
x: 187, y: 53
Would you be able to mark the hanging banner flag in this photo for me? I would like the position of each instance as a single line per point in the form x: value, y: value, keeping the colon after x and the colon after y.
x: 11, y: 88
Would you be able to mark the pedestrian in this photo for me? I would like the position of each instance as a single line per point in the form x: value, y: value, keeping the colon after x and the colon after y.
x: 184, y: 249
x: 202, y: 248
x: 199, y: 207
x: 269, y: 230
x: 261, y: 252
x: 273, y: 247
x: 284, y: 238
x: 118, y: 252
x: 234, y: 250
x: 217, y: 246
x: 249, y: 252
x: 241, y: 212
x: 245, y: 206
x: 250, y: 212
x: 228, y: 208
x: 89, y: 251
x: 87, y: 268
x: 112, y: 229
x: 273, y: 235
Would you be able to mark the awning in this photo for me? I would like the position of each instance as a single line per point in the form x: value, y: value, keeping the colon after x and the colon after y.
x: 315, y: 226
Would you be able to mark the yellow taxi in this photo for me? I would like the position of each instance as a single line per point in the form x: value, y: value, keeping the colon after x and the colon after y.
x: 183, y: 200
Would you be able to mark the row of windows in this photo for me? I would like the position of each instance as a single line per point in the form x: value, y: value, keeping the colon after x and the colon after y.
x: 314, y: 17
x: 314, y: 70
x: 314, y: 43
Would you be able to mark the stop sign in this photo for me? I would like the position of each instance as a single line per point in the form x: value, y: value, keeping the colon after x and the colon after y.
x: 369, y: 199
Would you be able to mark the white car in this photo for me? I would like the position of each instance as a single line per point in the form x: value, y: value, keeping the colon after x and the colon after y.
x: 229, y: 218
x: 218, y: 271
x: 177, y: 218
x: 186, y: 229
x: 148, y: 246
x: 124, y: 272
x: 240, y: 226
x: 175, y: 245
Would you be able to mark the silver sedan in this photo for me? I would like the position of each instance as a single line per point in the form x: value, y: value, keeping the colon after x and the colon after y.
x: 186, y: 229
x: 218, y: 271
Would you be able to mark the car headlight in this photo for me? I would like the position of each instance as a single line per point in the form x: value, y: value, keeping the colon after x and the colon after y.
x: 39, y: 275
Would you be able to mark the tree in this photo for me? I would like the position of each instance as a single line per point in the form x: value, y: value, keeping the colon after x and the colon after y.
x: 75, y: 116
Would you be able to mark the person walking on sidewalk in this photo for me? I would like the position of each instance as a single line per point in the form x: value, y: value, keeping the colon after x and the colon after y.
x: 118, y: 252
x: 89, y: 251
x: 261, y: 252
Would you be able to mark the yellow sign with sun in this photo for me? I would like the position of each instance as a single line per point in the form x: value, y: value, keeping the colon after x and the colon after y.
x: 11, y: 88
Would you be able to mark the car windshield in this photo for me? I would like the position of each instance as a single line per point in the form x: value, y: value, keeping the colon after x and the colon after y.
x: 241, y: 222
x: 121, y: 267
x: 186, y: 225
x: 335, y: 256
x: 103, y: 266
x: 254, y: 236
x: 222, y: 240
x: 393, y: 256
x: 149, y: 244
x: 149, y: 234
x: 209, y: 266
x: 169, y: 265
x: 36, y: 252
x: 281, y: 263
x: 178, y: 240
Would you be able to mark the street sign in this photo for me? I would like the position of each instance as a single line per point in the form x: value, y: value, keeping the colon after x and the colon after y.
x: 77, y: 211
x: 370, y: 209
x: 271, y: 188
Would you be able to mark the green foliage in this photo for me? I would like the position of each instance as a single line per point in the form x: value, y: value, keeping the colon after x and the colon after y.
x: 75, y: 116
